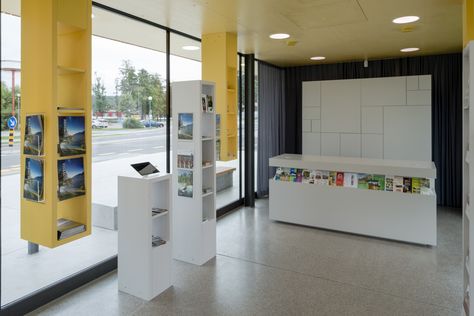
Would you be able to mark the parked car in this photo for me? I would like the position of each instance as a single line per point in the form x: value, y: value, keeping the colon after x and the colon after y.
x: 99, y: 123
x: 152, y: 123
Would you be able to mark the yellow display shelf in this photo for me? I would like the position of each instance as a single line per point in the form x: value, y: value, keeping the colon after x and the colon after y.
x: 219, y: 65
x: 56, y: 81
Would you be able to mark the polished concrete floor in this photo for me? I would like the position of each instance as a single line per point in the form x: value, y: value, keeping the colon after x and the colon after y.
x: 269, y: 268
x: 23, y: 274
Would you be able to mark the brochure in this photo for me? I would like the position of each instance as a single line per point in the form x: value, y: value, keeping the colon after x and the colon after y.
x: 389, y: 183
x: 407, y: 185
x: 398, y: 184
x: 350, y: 180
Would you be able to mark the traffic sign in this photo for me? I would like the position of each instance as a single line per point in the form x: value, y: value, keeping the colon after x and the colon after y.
x: 12, y: 122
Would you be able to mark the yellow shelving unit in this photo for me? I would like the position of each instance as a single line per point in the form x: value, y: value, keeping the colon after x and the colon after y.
x: 219, y: 64
x: 56, y: 81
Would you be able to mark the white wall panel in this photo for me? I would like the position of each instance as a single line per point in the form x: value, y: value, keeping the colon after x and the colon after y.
x: 311, y: 113
x: 340, y: 110
x: 384, y: 91
x: 330, y: 144
x: 316, y: 126
x: 350, y: 145
x: 420, y: 97
x: 372, y: 146
x: 412, y: 83
x: 375, y: 118
x: 311, y: 144
x: 311, y: 94
x: 306, y: 126
x: 425, y: 82
x: 372, y: 120
x: 407, y: 133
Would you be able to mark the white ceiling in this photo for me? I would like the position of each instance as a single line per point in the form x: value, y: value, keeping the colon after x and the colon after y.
x: 341, y: 30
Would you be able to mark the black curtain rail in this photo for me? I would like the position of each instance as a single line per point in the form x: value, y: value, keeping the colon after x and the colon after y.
x: 142, y: 20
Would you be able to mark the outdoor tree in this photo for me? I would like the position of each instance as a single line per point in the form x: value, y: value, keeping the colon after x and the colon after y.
x: 100, y: 97
x: 135, y: 89
x: 128, y: 86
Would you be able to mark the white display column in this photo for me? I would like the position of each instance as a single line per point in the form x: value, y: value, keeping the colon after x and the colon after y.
x: 468, y: 174
x: 194, y: 173
x: 144, y: 235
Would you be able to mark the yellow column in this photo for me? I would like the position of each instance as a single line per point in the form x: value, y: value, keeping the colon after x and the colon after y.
x: 56, y: 81
x: 219, y: 65
x: 468, y: 21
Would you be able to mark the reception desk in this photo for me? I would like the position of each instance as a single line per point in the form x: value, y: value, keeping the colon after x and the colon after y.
x: 403, y: 216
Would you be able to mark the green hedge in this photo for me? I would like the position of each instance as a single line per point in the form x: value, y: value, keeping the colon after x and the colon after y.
x: 132, y: 123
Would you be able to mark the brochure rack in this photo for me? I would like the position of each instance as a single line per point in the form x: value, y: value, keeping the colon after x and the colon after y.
x: 194, y: 171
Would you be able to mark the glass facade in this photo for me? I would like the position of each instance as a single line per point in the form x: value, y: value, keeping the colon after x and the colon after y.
x: 129, y: 111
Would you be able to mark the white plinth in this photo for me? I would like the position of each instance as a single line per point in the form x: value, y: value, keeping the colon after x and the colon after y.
x: 144, y: 270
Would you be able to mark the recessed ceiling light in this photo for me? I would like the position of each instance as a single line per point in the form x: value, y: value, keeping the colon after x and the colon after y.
x: 406, y: 19
x: 279, y: 36
x: 409, y: 49
x: 318, y: 58
x: 190, y: 47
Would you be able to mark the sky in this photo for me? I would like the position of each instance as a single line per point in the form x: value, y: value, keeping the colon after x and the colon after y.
x: 34, y: 122
x: 75, y: 124
x: 35, y: 168
x: 73, y: 166
x: 186, y: 118
x: 107, y: 57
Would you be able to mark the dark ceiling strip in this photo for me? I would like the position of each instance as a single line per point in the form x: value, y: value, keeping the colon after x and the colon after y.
x: 139, y: 19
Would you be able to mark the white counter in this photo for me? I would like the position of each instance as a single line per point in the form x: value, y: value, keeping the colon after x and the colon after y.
x: 393, y: 215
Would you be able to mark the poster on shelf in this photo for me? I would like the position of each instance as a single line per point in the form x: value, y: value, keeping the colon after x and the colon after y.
x: 185, y: 160
x: 185, y: 126
x: 185, y: 183
x: 33, y: 186
x: 71, y: 178
x: 34, y: 133
x: 204, y: 102
x: 210, y: 104
x: 72, y: 140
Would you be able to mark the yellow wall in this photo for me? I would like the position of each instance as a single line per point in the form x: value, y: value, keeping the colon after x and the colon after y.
x: 468, y: 21
x: 219, y: 65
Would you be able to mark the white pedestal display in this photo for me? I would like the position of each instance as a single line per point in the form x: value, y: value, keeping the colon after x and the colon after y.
x: 394, y: 215
x: 144, y: 211
x: 194, y: 171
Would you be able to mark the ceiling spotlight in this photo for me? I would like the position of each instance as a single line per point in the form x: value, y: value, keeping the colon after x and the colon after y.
x: 190, y: 47
x: 318, y: 58
x: 279, y: 36
x: 409, y: 49
x: 406, y: 19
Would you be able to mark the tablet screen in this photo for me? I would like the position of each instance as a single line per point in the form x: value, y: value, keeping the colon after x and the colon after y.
x: 145, y: 168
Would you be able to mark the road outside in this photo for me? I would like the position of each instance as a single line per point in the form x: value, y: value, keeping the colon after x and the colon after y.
x: 107, y: 144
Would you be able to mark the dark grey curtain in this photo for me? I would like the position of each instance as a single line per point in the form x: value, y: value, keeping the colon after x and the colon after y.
x: 446, y: 71
x: 271, y: 121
